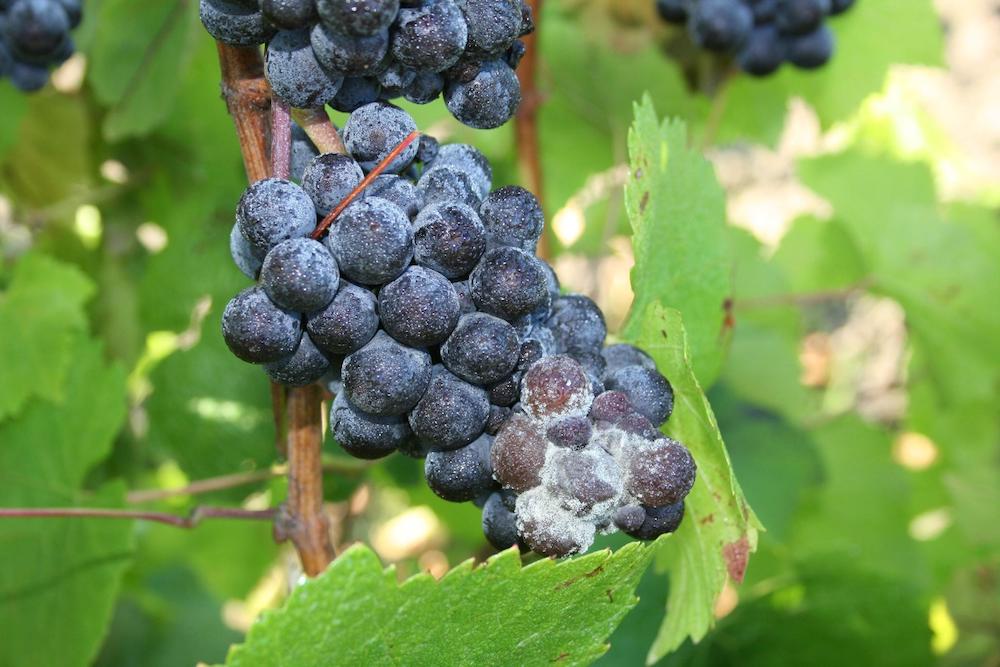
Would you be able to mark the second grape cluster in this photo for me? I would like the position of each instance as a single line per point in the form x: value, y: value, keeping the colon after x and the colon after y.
x: 426, y: 311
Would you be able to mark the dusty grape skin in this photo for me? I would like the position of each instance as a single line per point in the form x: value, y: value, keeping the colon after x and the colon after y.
x: 304, y: 367
x: 487, y: 100
x: 549, y: 529
x: 363, y: 435
x: 429, y: 37
x: 556, y: 387
x: 649, y: 392
x: 449, y: 238
x: 493, y: 25
x: 660, y: 473
x: 356, y: 92
x: 300, y: 275
x: 273, y: 210
x: 506, y: 391
x: 519, y: 453
x: 483, y: 349
x: 420, y: 308
x: 620, y: 355
x: 244, y: 257
x: 462, y: 474
x: 464, y: 297
x: 512, y: 216
x: 447, y: 184
x: 348, y: 55
x: 508, y: 283
x: 256, y: 330
x: 451, y: 413
x: 358, y: 17
x: 611, y: 406
x: 329, y: 178
x: 233, y: 24
x: 583, y: 478
x: 468, y: 159
x: 498, y: 417
x: 657, y: 521
x: 374, y: 130
x: 577, y: 325
x: 303, y: 151
x: 385, y: 377
x: 629, y: 518
x: 347, y: 323
x: 425, y: 88
x: 289, y: 14
x: 499, y: 522
x: 571, y: 432
x: 372, y: 241
x: 397, y: 190
x: 294, y: 73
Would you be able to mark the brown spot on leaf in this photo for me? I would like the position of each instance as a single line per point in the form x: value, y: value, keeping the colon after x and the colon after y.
x: 586, y: 575
x: 643, y: 202
x: 611, y: 598
x: 707, y: 519
x: 737, y: 554
x: 560, y: 657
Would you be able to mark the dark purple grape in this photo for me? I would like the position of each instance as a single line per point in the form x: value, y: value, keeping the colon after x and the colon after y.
x: 649, y: 392
x: 35, y: 28
x: 363, y: 435
x: 493, y: 25
x: 449, y: 238
x: 348, y: 55
x: 810, y: 50
x: 499, y: 522
x: 420, y: 308
x: 305, y: 366
x: 519, y: 453
x: 289, y: 14
x: 620, y: 355
x: 572, y: 432
x: 300, y: 275
x: 347, y: 323
x: 720, y: 25
x: 513, y: 217
x: 374, y: 130
x: 356, y: 92
x: 256, y: 330
x: 486, y: 100
x: 656, y: 521
x: 398, y: 190
x: 659, y: 473
x: 235, y: 24
x: 463, y: 474
x: 372, y: 241
x: 451, y: 413
x: 425, y: 88
x: 577, y: 325
x: 385, y: 377
x: 274, y: 210
x: 483, y: 349
x: 429, y: 37
x: 509, y: 283
x: 246, y: 260
x: 468, y: 159
x: 358, y: 17
x: 447, y: 184
x: 329, y: 178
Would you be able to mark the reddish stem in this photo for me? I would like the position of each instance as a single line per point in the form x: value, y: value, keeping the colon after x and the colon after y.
x: 526, y: 120
x: 320, y: 130
x: 379, y: 168
x: 281, y: 139
x: 197, y: 515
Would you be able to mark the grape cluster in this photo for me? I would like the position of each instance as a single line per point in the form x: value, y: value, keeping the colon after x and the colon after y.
x: 34, y: 36
x: 760, y: 34
x: 348, y: 53
x: 443, y: 336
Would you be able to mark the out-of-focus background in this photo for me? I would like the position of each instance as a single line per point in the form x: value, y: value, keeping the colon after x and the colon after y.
x: 857, y: 393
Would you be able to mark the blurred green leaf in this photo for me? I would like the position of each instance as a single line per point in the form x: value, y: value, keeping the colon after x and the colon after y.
x: 756, y: 108
x: 137, y: 60
x: 41, y: 315
x: 14, y: 103
x: 678, y: 214
x: 943, y: 272
x: 356, y: 613
x: 51, y: 160
x: 818, y: 256
x: 833, y: 613
x: 60, y: 576
x: 719, y: 531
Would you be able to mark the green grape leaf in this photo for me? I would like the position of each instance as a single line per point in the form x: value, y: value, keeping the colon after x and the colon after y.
x: 863, y: 56
x: 678, y: 214
x: 14, y: 103
x: 356, y: 613
x: 942, y: 270
x: 60, y: 576
x: 719, y: 531
x: 41, y: 312
x: 819, y: 256
x: 137, y: 61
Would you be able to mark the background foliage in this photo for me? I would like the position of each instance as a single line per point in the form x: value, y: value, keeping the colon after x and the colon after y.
x: 849, y: 357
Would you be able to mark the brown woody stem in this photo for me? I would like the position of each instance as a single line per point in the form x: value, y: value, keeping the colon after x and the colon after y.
x: 248, y: 98
x: 526, y: 120
x: 281, y: 140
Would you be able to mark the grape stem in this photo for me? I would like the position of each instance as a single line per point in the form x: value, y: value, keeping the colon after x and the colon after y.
x: 320, y: 130
x: 281, y: 140
x: 195, y: 517
x: 302, y: 518
x: 372, y: 175
x: 526, y: 120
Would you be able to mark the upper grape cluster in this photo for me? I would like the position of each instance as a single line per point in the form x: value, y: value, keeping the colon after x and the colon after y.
x: 442, y: 334
x: 348, y: 53
x: 762, y: 34
x: 34, y: 35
